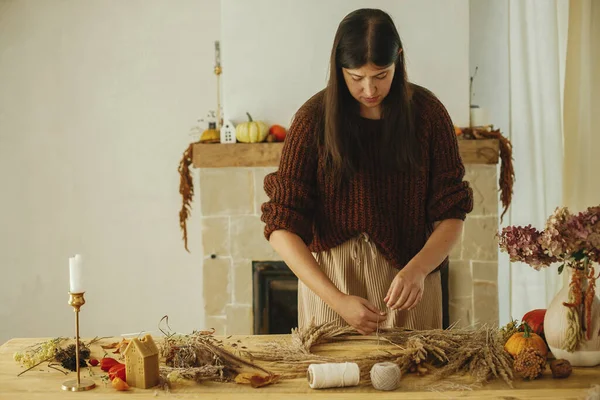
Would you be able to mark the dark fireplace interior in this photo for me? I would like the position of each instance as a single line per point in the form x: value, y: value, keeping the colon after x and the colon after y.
x: 275, y: 298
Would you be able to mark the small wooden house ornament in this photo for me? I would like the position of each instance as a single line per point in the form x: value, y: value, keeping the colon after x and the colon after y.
x: 141, y: 363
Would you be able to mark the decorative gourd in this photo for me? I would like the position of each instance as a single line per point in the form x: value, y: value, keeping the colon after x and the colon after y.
x: 251, y: 131
x: 535, y: 320
x: 211, y: 135
x: 523, y: 340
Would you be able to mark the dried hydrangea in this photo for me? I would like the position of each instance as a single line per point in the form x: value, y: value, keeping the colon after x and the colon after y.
x: 522, y: 243
x: 566, y: 237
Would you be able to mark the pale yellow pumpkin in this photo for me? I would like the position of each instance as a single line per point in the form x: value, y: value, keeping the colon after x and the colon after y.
x: 251, y: 131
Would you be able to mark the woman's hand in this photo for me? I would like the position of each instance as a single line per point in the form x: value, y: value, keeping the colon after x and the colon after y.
x: 406, y: 289
x: 359, y: 313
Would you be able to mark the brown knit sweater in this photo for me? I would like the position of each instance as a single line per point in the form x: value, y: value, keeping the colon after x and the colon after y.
x: 396, y: 209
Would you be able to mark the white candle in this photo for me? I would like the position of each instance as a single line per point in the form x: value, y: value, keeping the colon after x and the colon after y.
x: 479, y: 117
x: 75, y: 278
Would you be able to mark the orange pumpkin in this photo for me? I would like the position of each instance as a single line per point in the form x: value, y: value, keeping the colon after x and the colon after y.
x: 522, y: 340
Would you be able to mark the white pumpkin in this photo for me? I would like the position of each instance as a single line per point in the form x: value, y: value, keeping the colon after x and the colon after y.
x: 251, y: 131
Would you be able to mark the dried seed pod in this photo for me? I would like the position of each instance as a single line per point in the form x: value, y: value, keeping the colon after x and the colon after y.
x: 561, y: 369
x: 530, y: 363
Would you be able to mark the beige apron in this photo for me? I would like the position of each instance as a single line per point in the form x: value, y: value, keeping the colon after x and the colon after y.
x: 357, y: 268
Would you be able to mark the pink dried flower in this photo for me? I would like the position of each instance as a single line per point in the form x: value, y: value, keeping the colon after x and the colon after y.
x: 582, y: 230
x: 566, y: 236
x: 552, y: 242
x: 558, y: 218
x: 523, y: 244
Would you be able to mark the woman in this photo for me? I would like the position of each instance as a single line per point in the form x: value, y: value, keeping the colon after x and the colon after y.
x: 369, y: 197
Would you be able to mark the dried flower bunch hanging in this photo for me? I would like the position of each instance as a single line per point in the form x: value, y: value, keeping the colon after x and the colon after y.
x: 186, y: 189
x: 507, y: 170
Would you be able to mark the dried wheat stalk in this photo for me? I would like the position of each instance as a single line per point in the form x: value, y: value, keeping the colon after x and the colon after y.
x: 449, y: 352
x: 313, y: 335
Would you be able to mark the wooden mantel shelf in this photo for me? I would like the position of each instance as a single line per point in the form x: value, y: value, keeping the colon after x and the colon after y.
x: 480, y: 151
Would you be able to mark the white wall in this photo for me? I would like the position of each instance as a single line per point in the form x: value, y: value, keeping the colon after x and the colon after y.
x: 276, y: 53
x: 489, y: 49
x: 96, y: 104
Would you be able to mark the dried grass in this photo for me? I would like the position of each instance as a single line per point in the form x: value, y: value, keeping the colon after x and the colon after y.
x: 196, y: 374
x: 440, y: 354
x: 200, y: 356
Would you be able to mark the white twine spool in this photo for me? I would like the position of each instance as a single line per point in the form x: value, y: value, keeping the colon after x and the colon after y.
x: 322, y: 376
x: 385, y: 376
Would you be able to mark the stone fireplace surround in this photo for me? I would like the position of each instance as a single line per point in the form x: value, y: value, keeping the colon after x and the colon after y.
x: 232, y: 238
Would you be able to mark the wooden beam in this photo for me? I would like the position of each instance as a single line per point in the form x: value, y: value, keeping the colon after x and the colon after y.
x: 237, y: 155
x: 481, y: 151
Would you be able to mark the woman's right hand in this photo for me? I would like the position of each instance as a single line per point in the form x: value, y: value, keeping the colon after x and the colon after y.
x: 356, y: 311
x: 359, y: 313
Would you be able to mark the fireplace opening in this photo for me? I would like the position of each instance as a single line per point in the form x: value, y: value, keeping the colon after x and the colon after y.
x: 275, y: 298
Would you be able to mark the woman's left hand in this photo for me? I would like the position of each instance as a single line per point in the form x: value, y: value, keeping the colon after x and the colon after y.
x: 406, y: 289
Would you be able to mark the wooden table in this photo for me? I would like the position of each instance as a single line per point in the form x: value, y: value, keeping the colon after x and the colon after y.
x: 44, y: 383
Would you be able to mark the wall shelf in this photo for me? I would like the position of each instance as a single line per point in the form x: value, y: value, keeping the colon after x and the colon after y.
x: 218, y: 155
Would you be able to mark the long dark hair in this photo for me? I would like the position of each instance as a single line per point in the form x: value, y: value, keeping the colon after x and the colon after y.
x: 363, y: 36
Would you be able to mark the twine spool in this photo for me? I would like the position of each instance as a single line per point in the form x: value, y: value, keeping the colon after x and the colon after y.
x: 385, y: 376
x: 322, y: 376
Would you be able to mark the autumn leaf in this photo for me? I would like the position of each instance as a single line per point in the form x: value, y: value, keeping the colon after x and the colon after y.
x: 122, y: 346
x: 256, y: 380
x: 119, y: 346
x: 259, y: 381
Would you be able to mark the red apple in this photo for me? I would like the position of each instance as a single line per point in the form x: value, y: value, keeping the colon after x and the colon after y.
x: 278, y: 131
x: 535, y: 320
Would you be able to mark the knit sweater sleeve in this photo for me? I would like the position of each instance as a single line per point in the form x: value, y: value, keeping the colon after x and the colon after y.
x: 449, y: 195
x: 292, y: 188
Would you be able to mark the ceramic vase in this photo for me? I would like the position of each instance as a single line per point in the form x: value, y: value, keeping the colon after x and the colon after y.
x: 556, y: 326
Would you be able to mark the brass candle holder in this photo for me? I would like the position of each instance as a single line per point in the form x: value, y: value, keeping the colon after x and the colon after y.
x: 76, y: 300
